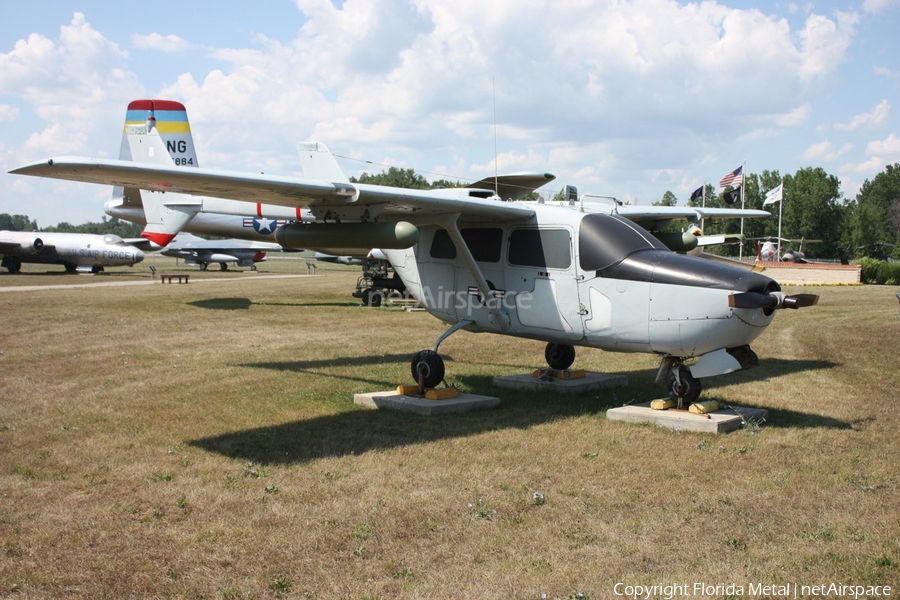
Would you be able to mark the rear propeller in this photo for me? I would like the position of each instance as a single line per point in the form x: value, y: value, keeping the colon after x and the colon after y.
x: 771, y: 300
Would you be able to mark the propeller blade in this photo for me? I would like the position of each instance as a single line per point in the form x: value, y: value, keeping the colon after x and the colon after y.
x: 771, y: 300
x: 752, y: 300
x: 800, y: 301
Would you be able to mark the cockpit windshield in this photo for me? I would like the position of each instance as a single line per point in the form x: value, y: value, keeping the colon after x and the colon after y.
x: 605, y: 240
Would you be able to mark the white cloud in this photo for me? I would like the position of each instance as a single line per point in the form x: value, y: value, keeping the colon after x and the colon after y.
x: 879, y: 116
x: 888, y: 147
x: 878, y: 6
x: 8, y: 113
x: 825, y: 43
x: 824, y: 151
x: 157, y: 41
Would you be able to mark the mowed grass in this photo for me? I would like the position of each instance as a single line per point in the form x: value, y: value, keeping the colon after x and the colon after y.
x: 201, y: 441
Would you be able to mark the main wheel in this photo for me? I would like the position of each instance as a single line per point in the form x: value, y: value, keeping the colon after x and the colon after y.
x: 431, y: 365
x: 223, y: 266
x: 14, y: 264
x: 559, y: 356
x: 371, y: 297
x: 685, y: 386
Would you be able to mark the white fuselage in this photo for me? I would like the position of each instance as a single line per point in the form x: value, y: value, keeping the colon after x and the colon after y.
x: 543, y: 278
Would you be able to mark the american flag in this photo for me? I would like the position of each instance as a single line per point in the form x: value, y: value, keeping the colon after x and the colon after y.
x: 734, y: 178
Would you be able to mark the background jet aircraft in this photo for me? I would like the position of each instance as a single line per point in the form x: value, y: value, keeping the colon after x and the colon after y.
x: 198, y: 251
x: 81, y: 252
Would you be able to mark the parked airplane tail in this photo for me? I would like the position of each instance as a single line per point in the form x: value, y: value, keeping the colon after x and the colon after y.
x: 157, y: 131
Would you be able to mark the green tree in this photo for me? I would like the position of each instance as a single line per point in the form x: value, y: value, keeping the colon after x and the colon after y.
x: 813, y: 208
x: 668, y: 199
x: 17, y: 223
x: 394, y: 177
x: 876, y: 212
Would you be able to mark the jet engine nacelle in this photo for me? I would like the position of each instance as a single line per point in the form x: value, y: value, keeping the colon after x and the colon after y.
x: 32, y: 246
x: 363, y: 236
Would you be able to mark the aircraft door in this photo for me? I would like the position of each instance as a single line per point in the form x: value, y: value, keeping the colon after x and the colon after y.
x: 541, y: 285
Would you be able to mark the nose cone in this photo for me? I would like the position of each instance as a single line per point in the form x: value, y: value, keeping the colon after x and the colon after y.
x: 138, y: 256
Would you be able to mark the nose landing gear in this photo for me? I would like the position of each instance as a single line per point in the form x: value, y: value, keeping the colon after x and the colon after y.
x: 683, y: 387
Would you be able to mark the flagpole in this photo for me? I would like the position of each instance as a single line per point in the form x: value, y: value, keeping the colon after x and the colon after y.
x: 780, y: 207
x: 703, y: 205
x: 743, y: 176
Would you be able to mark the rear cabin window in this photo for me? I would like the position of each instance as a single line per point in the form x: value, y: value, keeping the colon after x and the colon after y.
x: 547, y: 248
x: 484, y: 244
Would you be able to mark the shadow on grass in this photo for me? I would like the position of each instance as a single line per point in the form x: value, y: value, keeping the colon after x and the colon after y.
x: 357, y: 431
x: 363, y: 430
x: 245, y: 303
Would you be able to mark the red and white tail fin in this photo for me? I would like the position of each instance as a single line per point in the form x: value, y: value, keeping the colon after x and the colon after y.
x: 157, y: 131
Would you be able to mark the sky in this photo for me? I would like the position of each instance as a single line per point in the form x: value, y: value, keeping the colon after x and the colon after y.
x: 625, y: 98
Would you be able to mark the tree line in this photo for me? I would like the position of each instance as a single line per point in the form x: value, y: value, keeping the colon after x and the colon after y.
x: 813, y: 207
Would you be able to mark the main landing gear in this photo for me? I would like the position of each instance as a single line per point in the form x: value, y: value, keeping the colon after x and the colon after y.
x: 427, y: 366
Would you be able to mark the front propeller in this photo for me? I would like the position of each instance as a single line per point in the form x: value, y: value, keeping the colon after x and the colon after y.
x: 773, y: 299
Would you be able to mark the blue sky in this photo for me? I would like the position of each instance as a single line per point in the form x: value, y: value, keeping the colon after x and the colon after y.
x: 630, y: 98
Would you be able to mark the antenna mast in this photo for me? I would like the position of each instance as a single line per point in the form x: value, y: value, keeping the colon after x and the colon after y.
x: 496, y: 175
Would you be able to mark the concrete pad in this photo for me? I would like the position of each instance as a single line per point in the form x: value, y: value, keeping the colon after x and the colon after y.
x: 391, y: 400
x: 591, y: 381
x: 721, y: 421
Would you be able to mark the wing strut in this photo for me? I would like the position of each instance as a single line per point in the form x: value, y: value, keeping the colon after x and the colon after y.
x: 499, y: 316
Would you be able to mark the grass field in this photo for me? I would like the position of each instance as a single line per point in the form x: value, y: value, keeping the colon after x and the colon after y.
x: 201, y: 441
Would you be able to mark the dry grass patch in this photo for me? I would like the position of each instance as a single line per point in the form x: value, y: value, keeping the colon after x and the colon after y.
x: 200, y: 441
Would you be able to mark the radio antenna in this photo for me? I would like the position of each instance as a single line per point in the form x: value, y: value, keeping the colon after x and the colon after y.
x: 496, y: 175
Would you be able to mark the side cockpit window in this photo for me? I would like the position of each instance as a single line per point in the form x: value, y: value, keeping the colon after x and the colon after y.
x: 545, y: 248
x: 484, y: 243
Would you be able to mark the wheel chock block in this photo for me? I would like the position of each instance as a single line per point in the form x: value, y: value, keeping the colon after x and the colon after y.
x: 441, y: 394
x: 663, y: 404
x: 554, y: 374
x: 430, y: 393
x: 702, y: 408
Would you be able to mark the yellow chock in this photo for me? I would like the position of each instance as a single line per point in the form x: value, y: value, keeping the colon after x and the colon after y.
x: 576, y: 374
x: 663, y: 404
x: 430, y: 393
x: 441, y: 394
x: 554, y: 374
x: 702, y: 408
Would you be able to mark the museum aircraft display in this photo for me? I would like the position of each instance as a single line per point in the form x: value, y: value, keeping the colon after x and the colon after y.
x: 202, y: 252
x: 77, y: 252
x: 568, y: 274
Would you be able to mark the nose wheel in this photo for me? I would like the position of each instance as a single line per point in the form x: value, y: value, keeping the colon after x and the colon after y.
x: 683, y: 387
x: 428, y: 367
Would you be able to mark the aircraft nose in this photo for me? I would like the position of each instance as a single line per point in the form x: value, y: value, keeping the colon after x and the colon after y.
x: 138, y: 256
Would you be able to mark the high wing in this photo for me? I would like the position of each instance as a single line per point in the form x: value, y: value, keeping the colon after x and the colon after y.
x: 652, y: 217
x: 328, y: 201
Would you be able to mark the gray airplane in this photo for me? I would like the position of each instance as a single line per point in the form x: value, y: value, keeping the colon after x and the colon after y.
x: 78, y: 252
x: 198, y: 251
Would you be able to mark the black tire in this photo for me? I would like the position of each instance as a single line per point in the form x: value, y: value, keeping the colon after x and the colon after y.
x: 432, y: 366
x: 14, y: 264
x: 559, y: 356
x: 70, y: 268
x: 203, y: 266
x: 372, y: 297
x: 689, y: 388
x: 223, y: 266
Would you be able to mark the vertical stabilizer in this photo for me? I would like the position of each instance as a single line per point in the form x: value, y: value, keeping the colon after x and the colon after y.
x: 318, y: 162
x: 158, y: 132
